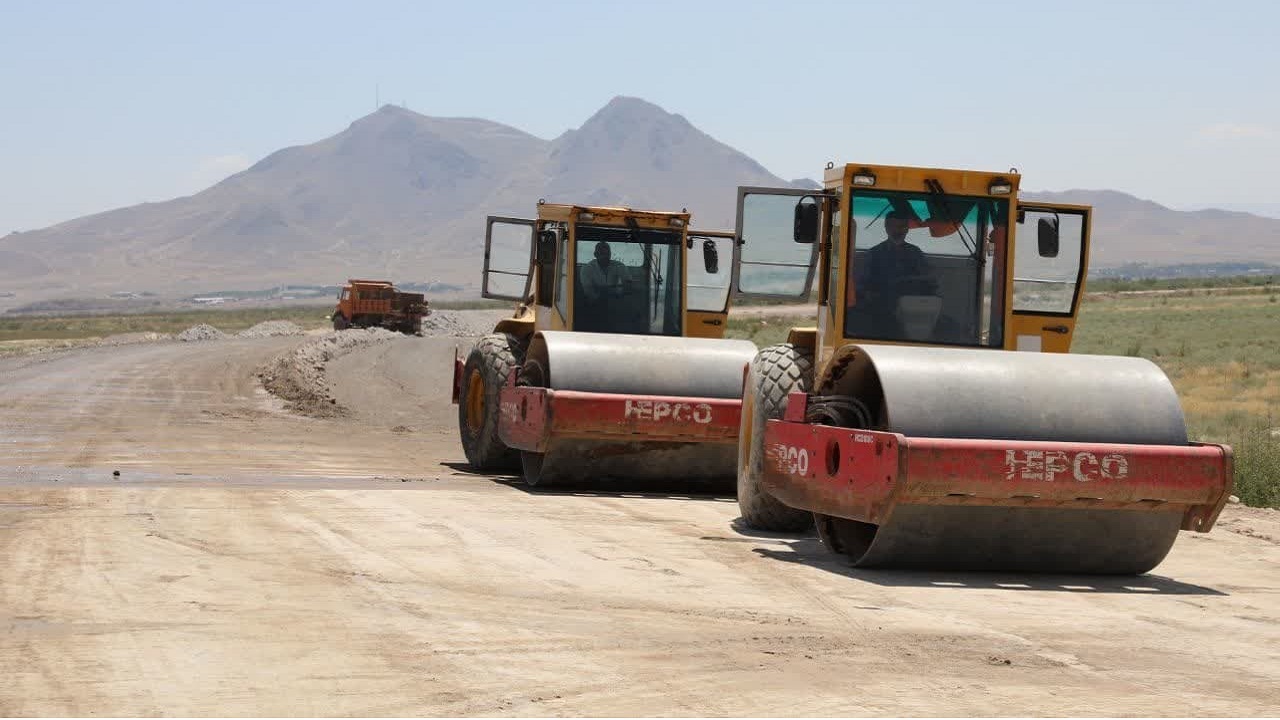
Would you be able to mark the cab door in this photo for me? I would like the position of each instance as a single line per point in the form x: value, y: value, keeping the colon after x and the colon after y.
x: 1051, y: 257
x: 708, y: 274
x: 508, y: 258
x: 768, y: 261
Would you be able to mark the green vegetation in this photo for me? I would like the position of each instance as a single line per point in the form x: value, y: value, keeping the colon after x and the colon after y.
x: 1182, y: 283
x: 478, y: 304
x: 1257, y: 457
x: 765, y: 331
x: 90, y: 325
x: 763, y: 302
x: 73, y: 327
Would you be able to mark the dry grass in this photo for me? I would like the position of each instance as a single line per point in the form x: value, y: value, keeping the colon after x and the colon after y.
x: 1228, y: 389
x: 76, y: 327
x: 1221, y: 350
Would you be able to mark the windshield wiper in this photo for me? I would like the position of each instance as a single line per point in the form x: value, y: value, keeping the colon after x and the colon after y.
x: 883, y: 210
x: 935, y: 188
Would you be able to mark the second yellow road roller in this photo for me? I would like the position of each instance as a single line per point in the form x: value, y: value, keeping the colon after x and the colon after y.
x: 614, y: 365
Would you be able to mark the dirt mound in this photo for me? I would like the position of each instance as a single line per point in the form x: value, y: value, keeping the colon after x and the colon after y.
x: 443, y: 323
x: 461, y: 323
x: 298, y: 377
x: 272, y: 328
x: 200, y: 333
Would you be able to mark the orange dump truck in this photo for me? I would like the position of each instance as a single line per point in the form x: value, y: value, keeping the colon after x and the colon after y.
x: 377, y: 303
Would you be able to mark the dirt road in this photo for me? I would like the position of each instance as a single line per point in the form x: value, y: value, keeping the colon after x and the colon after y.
x: 247, y: 561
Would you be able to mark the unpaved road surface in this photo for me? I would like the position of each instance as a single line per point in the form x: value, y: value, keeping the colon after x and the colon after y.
x: 250, y: 562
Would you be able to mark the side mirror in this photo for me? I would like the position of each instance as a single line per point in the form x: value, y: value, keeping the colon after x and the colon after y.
x: 1047, y: 235
x: 806, y: 221
x: 710, y: 256
x: 546, y: 246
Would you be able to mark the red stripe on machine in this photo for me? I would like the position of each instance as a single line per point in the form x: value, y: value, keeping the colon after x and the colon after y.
x: 861, y: 474
x: 532, y: 416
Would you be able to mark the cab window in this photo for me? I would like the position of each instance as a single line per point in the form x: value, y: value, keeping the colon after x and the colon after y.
x: 919, y: 271
x: 628, y: 280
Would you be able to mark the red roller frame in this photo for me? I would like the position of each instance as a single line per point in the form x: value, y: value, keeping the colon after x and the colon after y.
x: 533, y: 416
x: 862, y: 474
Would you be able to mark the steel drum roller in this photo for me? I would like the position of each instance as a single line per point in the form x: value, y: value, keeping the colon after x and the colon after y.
x: 641, y: 366
x: 997, y: 395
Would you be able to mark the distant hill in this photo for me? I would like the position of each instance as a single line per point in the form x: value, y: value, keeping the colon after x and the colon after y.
x: 396, y: 194
x: 402, y: 195
x: 1130, y: 230
x: 1248, y: 271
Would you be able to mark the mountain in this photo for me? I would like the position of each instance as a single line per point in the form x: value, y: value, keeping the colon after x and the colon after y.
x: 402, y: 195
x: 634, y: 154
x: 1271, y: 210
x: 366, y: 200
x: 1128, y: 229
x: 395, y: 194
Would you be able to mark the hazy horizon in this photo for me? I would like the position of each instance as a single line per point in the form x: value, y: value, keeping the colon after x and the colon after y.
x: 113, y: 105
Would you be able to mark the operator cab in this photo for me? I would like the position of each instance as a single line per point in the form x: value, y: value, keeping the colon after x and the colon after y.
x: 917, y: 256
x: 608, y: 270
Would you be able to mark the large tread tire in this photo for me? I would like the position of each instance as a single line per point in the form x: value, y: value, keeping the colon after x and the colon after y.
x: 774, y: 373
x: 490, y: 363
x: 340, y: 322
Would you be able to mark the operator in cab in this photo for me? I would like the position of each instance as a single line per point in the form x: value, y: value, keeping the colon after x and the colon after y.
x: 889, y: 271
x: 602, y: 283
x: 602, y: 277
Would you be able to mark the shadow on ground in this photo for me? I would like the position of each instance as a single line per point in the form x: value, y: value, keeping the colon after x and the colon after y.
x: 806, y: 549
x: 638, y: 489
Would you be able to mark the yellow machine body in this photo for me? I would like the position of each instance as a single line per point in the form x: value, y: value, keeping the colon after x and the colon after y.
x: 614, y: 365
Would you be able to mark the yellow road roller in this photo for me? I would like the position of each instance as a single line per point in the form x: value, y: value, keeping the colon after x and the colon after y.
x: 933, y: 417
x: 614, y: 364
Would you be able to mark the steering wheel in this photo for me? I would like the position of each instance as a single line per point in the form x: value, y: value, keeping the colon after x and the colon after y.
x: 916, y: 285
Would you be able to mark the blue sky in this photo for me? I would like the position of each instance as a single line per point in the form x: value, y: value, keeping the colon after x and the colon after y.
x: 111, y: 104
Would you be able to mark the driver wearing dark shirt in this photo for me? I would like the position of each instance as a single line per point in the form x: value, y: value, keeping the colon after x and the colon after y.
x: 890, y: 270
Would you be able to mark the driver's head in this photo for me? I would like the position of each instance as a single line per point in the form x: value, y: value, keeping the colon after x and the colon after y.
x: 603, y: 253
x: 895, y: 225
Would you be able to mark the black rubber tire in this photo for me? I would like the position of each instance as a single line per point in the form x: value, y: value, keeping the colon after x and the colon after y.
x: 844, y: 537
x: 340, y: 322
x: 774, y: 373
x: 493, y: 357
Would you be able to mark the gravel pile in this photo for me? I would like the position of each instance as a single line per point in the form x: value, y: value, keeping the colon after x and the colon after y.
x: 462, y: 323
x: 297, y: 377
x: 272, y: 328
x: 201, y: 333
x: 446, y: 323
